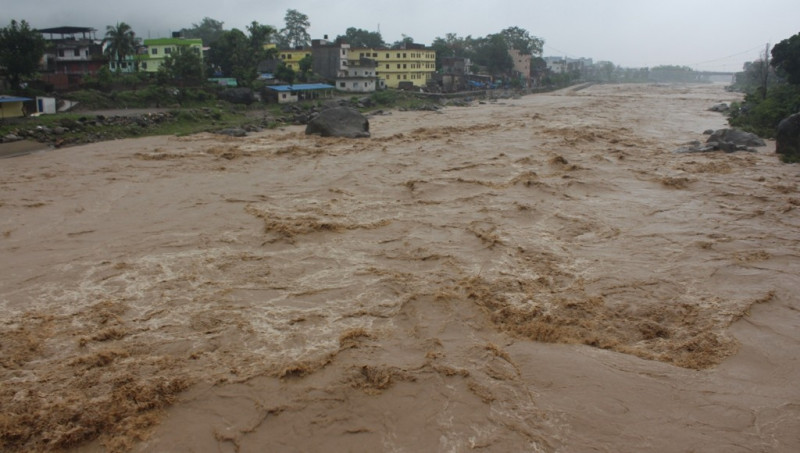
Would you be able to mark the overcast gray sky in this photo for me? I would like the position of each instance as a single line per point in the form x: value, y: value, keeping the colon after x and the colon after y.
x: 703, y: 34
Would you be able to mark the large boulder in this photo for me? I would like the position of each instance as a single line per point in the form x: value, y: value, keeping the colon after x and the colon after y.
x: 722, y: 108
x: 735, y: 137
x: 787, y: 140
x: 339, y: 122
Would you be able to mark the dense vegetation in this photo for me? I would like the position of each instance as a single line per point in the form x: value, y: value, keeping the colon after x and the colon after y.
x: 772, y: 89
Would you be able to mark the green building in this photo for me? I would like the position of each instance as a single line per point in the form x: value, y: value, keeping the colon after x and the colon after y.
x: 160, y: 48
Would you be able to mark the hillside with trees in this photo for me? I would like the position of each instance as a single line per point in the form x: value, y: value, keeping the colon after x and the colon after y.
x: 771, y: 87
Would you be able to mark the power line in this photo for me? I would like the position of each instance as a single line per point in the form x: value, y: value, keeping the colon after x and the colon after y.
x: 561, y: 52
x: 729, y: 56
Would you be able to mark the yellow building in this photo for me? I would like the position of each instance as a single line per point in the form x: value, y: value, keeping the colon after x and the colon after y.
x: 11, y: 106
x: 415, y: 64
x: 291, y: 58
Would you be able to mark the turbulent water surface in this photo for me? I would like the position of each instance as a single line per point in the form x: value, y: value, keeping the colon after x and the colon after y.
x: 537, y: 274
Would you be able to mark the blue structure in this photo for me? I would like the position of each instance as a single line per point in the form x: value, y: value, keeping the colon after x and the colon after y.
x: 304, y: 91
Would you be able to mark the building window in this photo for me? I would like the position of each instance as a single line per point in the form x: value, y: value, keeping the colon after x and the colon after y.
x: 342, y: 84
x: 387, y: 55
x: 60, y: 52
x: 144, y: 65
x: 375, y: 54
x: 387, y: 66
x: 404, y: 66
x: 398, y: 65
x: 167, y: 50
x: 154, y: 51
x: 355, y: 84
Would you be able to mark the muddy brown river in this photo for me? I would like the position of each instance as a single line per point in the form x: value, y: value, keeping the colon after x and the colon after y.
x: 539, y: 274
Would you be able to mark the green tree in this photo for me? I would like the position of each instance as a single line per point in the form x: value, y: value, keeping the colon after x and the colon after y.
x: 521, y: 39
x: 786, y: 58
x: 452, y: 46
x: 357, y: 37
x: 538, y: 69
x: 259, y: 37
x: 296, y: 31
x: 120, y: 41
x: 21, y: 50
x: 230, y: 55
x: 209, y: 30
x: 237, y: 55
x: 751, y: 78
x: 184, y: 66
x: 305, y: 64
x: 492, y: 53
x: 285, y: 74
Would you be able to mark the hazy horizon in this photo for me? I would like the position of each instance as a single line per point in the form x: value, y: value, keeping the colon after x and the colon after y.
x: 713, y: 35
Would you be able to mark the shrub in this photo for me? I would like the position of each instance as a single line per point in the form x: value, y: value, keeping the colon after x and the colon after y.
x: 761, y: 116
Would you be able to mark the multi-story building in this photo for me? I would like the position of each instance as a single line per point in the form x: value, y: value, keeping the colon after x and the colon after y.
x: 415, y: 64
x: 71, y: 53
x: 454, y: 73
x: 291, y: 58
x: 159, y: 49
x: 359, y: 77
x: 330, y: 60
x: 522, y: 66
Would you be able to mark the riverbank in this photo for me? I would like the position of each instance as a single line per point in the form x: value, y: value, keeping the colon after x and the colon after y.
x: 21, y: 148
x: 535, y: 274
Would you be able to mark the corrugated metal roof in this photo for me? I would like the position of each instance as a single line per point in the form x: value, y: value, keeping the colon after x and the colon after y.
x: 302, y: 87
x: 13, y: 99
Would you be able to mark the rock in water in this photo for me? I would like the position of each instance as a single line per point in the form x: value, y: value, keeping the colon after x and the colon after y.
x: 339, y: 122
x: 736, y: 137
x: 787, y: 140
x: 233, y: 132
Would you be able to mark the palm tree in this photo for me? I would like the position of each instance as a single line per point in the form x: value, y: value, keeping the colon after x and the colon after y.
x: 120, y: 42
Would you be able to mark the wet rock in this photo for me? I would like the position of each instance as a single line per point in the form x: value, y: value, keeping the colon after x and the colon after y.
x: 722, y: 108
x: 68, y: 123
x: 736, y: 137
x: 58, y: 130
x: 339, y: 122
x: 697, y: 147
x: 787, y: 140
x: 708, y: 131
x: 11, y: 138
x: 233, y: 132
